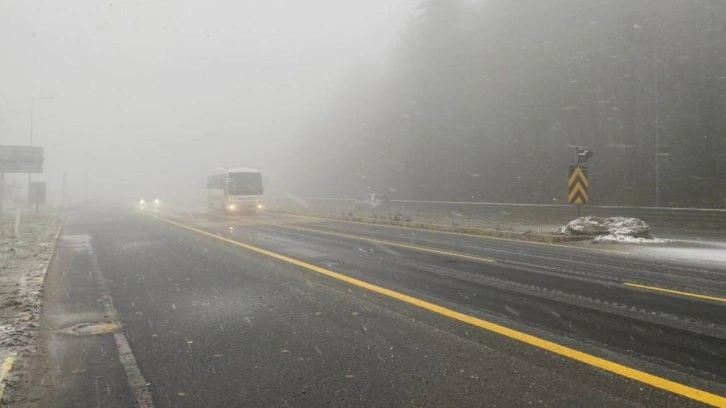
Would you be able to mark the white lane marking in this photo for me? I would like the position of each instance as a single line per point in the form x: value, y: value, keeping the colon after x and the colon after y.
x: 137, y: 382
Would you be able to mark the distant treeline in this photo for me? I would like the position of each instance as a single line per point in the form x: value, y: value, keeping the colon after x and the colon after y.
x: 481, y: 100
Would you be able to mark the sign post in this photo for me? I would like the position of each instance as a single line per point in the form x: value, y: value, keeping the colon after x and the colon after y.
x: 2, y: 201
x: 37, y: 194
x: 578, y: 184
x: 19, y: 159
x: 63, y: 194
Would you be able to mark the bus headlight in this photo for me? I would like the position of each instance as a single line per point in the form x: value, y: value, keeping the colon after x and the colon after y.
x: 231, y: 207
x: 259, y: 206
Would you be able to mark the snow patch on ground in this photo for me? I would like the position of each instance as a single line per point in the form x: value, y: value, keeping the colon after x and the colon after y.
x: 614, y: 230
x: 589, y: 225
x: 625, y: 239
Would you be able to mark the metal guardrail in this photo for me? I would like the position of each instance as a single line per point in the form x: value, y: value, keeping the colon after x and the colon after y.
x: 555, y: 213
x: 483, y: 203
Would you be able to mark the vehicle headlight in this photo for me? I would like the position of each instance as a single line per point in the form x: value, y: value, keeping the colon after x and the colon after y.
x: 157, y: 201
x: 231, y: 206
x: 259, y: 206
x: 142, y: 201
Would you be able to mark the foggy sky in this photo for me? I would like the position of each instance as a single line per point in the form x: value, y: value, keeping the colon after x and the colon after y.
x: 149, y: 95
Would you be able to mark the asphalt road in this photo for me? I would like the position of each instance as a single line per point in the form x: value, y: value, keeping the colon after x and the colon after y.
x: 262, y: 311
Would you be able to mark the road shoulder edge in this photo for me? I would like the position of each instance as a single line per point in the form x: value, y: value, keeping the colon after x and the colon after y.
x: 9, y: 366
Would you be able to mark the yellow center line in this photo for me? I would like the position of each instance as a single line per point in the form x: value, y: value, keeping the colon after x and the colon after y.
x: 469, y: 235
x: 589, y: 359
x: 392, y: 243
x: 675, y: 292
x: 5, y: 368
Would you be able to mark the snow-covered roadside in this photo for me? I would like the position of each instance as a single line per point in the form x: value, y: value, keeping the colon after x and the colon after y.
x: 626, y: 239
x: 23, y: 264
x: 613, y: 230
x: 624, y: 226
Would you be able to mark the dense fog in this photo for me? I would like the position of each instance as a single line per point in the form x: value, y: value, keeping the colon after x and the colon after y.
x: 139, y: 98
x: 419, y: 99
x: 482, y: 100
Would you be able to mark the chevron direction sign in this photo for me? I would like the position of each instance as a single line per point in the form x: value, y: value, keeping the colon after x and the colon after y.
x: 578, y: 185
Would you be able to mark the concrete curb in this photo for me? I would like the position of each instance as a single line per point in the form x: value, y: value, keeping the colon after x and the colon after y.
x: 52, y: 256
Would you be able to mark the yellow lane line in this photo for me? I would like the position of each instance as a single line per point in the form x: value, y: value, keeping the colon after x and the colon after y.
x: 598, y: 362
x: 468, y: 235
x: 675, y: 292
x: 5, y: 368
x: 392, y: 243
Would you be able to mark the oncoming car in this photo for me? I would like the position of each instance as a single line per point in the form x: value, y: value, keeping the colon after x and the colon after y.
x: 149, y: 205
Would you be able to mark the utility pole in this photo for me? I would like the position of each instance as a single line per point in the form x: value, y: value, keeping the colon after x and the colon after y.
x: 85, y: 183
x: 2, y: 202
x: 657, y: 141
x: 63, y: 193
x: 2, y: 191
x: 32, y: 126
x: 32, y: 123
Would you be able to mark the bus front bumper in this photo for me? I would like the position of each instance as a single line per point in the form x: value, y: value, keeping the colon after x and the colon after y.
x: 244, y: 207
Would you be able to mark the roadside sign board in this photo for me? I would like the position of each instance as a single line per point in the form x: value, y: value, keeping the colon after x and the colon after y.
x: 579, y: 185
x: 21, y: 159
x: 37, y: 193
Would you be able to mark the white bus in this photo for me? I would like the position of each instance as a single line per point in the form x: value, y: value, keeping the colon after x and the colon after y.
x: 235, y: 190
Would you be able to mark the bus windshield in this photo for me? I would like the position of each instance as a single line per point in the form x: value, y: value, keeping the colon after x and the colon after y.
x: 244, y: 184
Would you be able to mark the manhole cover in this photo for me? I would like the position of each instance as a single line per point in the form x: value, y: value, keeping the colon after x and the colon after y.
x: 91, y: 329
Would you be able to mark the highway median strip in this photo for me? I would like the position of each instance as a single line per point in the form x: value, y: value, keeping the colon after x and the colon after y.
x: 592, y: 360
x: 469, y: 232
x: 481, y: 259
x: 529, y: 236
x: 394, y: 244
